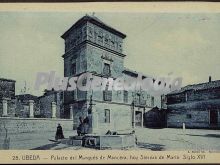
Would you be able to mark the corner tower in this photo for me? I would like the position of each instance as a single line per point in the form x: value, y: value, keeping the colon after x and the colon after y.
x: 93, y: 46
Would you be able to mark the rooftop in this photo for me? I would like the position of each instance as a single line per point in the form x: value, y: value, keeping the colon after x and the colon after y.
x: 95, y: 21
x: 133, y: 73
x: 26, y: 97
x: 4, y: 79
x: 201, y: 86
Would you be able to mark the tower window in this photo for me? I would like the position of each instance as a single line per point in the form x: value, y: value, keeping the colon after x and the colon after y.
x: 107, y: 115
x: 107, y: 94
x: 125, y: 96
x: 73, y: 68
x: 106, y: 69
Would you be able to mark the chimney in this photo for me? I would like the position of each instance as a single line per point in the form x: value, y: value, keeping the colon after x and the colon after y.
x: 210, y: 78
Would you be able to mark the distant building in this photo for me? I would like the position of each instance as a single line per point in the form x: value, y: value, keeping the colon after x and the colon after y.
x: 94, y: 47
x: 155, y: 118
x: 45, y: 102
x: 198, y: 106
x: 7, y: 88
x: 22, y: 105
x: 7, y: 97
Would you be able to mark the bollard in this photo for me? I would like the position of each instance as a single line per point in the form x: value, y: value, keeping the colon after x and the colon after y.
x: 184, y: 127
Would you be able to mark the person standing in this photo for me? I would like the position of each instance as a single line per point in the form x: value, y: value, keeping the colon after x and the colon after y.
x: 59, y: 132
x: 80, y: 127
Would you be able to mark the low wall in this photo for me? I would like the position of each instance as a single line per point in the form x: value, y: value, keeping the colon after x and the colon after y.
x: 28, y: 133
x: 110, y: 141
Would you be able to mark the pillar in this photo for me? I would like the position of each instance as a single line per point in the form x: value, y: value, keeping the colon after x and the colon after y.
x: 31, y: 108
x: 5, y: 107
x: 142, y: 118
x: 95, y: 122
x: 54, y: 109
x: 71, y: 111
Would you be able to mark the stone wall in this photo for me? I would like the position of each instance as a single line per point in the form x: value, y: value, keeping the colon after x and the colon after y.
x: 20, y: 130
x: 198, y: 110
x: 45, y: 105
x: 96, y: 57
x: 120, y: 116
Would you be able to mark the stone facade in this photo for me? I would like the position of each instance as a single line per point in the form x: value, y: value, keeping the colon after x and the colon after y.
x: 24, y: 133
x: 7, y: 88
x: 92, y: 46
x: 22, y: 103
x: 45, y: 103
x: 198, y: 106
x: 7, y: 96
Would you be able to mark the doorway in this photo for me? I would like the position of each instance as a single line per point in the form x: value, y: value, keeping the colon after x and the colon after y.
x: 138, y: 118
x: 213, y: 117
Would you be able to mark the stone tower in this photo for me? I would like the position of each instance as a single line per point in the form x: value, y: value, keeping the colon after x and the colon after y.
x: 91, y: 46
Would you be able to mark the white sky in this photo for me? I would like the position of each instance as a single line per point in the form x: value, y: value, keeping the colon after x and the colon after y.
x: 188, y: 45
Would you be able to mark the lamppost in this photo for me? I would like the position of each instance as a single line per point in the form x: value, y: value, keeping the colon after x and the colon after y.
x: 90, y: 110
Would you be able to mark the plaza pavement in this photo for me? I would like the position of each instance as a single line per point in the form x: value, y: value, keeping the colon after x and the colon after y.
x: 171, y: 139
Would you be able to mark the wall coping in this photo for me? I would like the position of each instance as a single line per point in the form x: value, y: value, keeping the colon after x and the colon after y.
x: 48, y: 119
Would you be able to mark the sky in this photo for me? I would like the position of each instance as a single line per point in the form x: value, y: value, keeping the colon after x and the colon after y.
x: 184, y: 44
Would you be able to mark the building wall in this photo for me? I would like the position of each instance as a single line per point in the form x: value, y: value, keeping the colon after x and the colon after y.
x: 96, y: 57
x: 45, y: 105
x: 78, y: 56
x: 104, y: 38
x: 194, y: 96
x: 199, y: 111
x: 7, y: 88
x: 120, y: 116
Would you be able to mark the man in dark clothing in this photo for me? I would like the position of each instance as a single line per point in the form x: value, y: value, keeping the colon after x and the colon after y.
x: 83, y: 127
x: 59, y: 133
x: 80, y: 127
x: 86, y: 125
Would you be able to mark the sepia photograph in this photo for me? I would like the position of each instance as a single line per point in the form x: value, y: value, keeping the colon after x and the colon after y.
x: 90, y: 81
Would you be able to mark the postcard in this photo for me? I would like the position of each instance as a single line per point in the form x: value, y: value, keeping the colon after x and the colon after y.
x: 110, y: 82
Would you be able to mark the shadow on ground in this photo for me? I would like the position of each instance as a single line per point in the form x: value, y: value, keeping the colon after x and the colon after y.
x: 206, y: 135
x: 153, y: 147
x: 47, y: 146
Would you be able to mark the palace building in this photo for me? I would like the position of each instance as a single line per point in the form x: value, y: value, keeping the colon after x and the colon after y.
x: 91, y: 46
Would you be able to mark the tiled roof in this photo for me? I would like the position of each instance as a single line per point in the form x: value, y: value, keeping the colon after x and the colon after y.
x: 96, y: 21
x: 201, y: 86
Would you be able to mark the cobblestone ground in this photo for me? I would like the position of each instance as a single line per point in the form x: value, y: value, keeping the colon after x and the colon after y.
x: 148, y: 139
